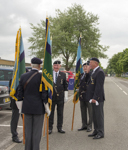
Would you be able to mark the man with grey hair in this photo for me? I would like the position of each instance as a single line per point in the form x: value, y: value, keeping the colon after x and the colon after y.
x: 95, y: 95
x: 35, y: 104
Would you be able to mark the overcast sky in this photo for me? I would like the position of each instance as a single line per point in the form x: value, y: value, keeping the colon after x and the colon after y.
x: 113, y: 22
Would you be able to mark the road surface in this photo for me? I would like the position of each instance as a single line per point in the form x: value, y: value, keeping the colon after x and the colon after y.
x: 116, y: 124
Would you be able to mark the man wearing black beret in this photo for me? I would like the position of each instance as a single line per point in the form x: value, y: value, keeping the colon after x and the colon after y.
x: 35, y: 104
x: 36, y: 60
x: 84, y: 104
x: 95, y: 95
x: 59, y: 87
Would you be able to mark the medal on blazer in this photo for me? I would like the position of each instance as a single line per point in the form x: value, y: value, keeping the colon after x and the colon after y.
x: 92, y: 80
x: 61, y: 81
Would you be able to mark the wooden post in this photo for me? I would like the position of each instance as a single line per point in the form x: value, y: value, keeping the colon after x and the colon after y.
x: 23, y: 130
x: 44, y: 125
x: 47, y: 133
x: 73, y: 117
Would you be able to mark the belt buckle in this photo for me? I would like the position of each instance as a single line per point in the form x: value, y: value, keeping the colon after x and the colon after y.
x: 57, y: 94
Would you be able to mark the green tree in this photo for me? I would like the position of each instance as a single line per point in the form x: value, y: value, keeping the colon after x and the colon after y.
x: 114, y: 63
x: 65, y: 29
x: 109, y: 70
x: 123, y: 60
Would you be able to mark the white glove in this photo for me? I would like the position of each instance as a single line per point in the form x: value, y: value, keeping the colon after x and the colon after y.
x: 95, y: 103
x: 90, y: 101
x: 47, y: 110
x: 65, y: 96
x: 19, y: 105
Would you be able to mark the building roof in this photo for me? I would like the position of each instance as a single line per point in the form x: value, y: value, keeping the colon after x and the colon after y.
x: 10, y: 63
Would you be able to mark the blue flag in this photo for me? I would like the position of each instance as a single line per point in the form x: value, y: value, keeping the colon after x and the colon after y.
x: 79, y: 70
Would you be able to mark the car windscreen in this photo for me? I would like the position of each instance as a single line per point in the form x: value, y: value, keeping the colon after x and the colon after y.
x: 6, y: 75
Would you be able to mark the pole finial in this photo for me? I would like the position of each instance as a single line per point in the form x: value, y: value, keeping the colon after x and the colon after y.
x: 46, y: 14
x: 80, y: 35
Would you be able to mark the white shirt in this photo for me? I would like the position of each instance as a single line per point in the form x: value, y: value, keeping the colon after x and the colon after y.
x: 83, y: 75
x: 54, y: 76
x: 95, y: 69
x: 91, y: 99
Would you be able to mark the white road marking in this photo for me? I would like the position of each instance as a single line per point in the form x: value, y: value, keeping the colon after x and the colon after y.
x: 125, y: 93
x: 13, y: 145
x: 119, y: 87
x: 7, y: 112
x: 2, y: 125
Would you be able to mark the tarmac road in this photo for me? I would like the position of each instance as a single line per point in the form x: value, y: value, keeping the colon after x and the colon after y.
x: 116, y: 124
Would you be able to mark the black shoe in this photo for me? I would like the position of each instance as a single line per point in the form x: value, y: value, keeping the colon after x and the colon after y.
x: 16, y: 140
x: 82, y: 128
x: 50, y: 131
x: 89, y: 129
x: 61, y: 131
x: 98, y: 136
x: 93, y: 134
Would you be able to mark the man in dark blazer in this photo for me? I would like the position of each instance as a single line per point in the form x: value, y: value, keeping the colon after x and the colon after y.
x: 95, y: 94
x: 34, y: 102
x: 85, y: 106
x: 59, y: 86
x: 14, y: 118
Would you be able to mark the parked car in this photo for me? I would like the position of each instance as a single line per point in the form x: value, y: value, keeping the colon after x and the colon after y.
x: 4, y: 97
x: 5, y: 75
x: 70, y: 75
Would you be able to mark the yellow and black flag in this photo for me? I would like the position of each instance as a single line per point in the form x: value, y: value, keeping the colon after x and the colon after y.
x: 19, y: 67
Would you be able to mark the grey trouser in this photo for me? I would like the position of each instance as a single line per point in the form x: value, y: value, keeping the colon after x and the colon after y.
x: 33, y: 131
x: 98, y: 118
x: 84, y: 107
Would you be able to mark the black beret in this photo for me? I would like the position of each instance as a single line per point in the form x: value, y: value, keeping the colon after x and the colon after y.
x: 36, y: 60
x: 57, y: 62
x: 95, y: 59
x: 88, y: 63
x: 84, y: 64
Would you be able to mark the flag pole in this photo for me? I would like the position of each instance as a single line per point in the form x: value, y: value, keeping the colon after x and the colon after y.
x: 44, y: 125
x: 23, y: 130
x: 47, y: 133
x: 77, y: 78
x: 73, y: 117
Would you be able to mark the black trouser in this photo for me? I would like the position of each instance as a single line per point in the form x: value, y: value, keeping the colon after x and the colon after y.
x: 14, y: 122
x: 98, y: 118
x: 60, y: 108
x: 86, y: 106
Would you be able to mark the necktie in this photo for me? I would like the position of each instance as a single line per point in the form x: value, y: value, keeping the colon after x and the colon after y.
x: 82, y: 76
x: 92, y: 72
x: 56, y: 78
